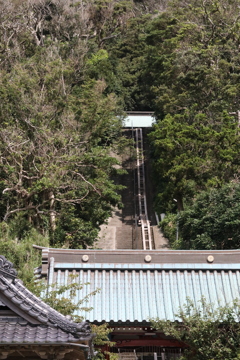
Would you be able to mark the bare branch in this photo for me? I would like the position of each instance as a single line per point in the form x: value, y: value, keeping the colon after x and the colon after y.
x: 30, y: 177
x: 82, y: 177
x: 76, y: 201
x: 29, y: 207
x: 9, y: 189
x: 108, y: 37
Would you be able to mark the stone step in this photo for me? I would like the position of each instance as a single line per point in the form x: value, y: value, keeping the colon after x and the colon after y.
x: 124, y: 237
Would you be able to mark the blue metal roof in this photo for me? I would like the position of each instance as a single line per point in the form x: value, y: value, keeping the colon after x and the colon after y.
x: 137, y: 292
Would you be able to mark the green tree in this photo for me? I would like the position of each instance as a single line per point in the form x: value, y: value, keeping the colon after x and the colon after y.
x: 21, y: 252
x: 192, y: 58
x: 126, y: 56
x: 56, y: 144
x: 60, y: 119
x: 192, y: 83
x: 190, y: 157
x: 211, y: 221
x: 207, y: 333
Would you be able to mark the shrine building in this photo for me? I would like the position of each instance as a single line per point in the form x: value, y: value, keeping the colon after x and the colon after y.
x: 139, y: 285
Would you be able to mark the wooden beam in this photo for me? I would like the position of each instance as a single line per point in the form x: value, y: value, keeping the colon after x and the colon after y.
x: 150, y: 342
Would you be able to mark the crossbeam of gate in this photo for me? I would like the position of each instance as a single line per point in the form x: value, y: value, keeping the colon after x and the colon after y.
x: 142, y: 200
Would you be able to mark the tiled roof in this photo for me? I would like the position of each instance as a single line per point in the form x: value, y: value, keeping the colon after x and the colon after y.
x: 136, y: 291
x: 34, y: 321
x: 15, y: 332
x: 18, y: 298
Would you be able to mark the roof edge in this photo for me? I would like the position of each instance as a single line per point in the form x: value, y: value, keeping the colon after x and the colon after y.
x: 27, y: 305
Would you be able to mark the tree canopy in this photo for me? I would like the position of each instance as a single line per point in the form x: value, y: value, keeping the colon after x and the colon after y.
x: 59, y: 121
x: 69, y: 70
x: 210, y: 221
x: 192, y: 76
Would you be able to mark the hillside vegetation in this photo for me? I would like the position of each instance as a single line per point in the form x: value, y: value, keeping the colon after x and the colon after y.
x: 68, y: 72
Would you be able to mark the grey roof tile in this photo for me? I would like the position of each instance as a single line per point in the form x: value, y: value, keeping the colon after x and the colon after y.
x: 19, y: 333
x: 36, y: 322
x: 19, y: 298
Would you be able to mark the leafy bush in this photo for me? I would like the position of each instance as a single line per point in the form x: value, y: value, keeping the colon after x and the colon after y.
x: 21, y: 252
x: 208, y: 334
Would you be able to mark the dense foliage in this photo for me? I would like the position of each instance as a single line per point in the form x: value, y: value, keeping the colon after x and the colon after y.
x: 59, y: 122
x: 22, y: 254
x: 207, y: 333
x: 210, y: 221
x: 69, y: 70
x: 192, y: 73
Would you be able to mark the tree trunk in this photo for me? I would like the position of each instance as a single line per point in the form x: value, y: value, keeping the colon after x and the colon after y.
x: 179, y: 202
x: 52, y: 211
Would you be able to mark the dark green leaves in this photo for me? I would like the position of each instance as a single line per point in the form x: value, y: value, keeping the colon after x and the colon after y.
x: 210, y: 221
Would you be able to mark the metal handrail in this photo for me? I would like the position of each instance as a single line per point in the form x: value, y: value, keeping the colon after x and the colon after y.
x: 142, y: 199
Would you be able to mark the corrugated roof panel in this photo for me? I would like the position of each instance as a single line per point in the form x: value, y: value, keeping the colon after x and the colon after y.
x: 128, y: 295
x: 238, y: 279
x: 186, y: 282
x: 166, y: 293
x: 217, y: 285
x: 195, y: 287
x: 117, y: 295
x: 153, y: 293
x: 233, y: 284
x: 172, y: 291
x: 236, y: 283
x: 142, y: 294
x: 65, y: 280
x: 225, y: 289
x: 147, y: 294
x: 162, y: 295
x: 111, y: 291
x: 209, y: 286
x: 122, y: 298
x: 181, y: 286
x: 159, y: 301
x: 132, y: 306
x: 137, y: 295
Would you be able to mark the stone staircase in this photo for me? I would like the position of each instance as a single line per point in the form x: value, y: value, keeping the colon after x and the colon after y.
x: 121, y: 231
